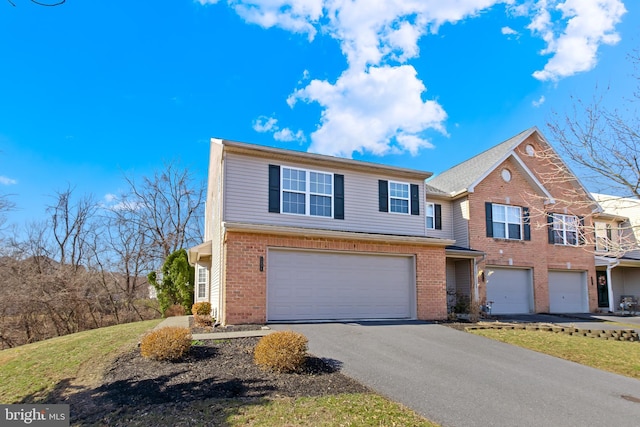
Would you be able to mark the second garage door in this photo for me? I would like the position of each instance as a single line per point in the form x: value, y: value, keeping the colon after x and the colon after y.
x: 510, y: 290
x: 568, y: 292
x: 311, y: 285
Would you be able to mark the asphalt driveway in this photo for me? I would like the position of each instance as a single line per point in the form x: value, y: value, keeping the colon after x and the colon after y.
x: 459, y: 379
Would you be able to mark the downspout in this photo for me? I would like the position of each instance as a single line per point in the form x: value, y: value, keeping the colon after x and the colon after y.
x: 476, y: 287
x: 610, y: 285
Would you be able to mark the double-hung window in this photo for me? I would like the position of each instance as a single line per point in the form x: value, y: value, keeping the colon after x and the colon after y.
x: 565, y: 229
x: 430, y: 216
x: 433, y: 216
x: 307, y: 192
x: 202, y: 282
x: 603, y: 236
x: 507, y: 221
x: 398, y: 197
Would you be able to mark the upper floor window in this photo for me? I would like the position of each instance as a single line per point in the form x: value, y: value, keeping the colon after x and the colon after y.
x: 433, y: 216
x: 398, y: 197
x: 507, y: 222
x: 564, y: 229
x: 603, y: 236
x: 307, y: 191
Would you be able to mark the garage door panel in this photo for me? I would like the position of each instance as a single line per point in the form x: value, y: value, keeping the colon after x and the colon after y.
x: 309, y: 285
x: 567, y: 292
x: 510, y: 290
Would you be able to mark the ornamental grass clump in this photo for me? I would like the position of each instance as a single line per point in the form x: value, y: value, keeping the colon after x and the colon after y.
x: 170, y: 343
x: 283, y: 351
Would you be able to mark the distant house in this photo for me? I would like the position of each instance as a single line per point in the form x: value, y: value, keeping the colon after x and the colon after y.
x: 617, y: 232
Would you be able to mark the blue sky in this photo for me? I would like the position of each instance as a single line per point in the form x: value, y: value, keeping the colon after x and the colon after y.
x: 91, y: 90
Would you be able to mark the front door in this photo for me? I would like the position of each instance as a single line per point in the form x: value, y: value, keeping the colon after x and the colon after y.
x: 603, y: 289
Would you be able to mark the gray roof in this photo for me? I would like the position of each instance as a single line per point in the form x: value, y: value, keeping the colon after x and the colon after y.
x: 461, y: 177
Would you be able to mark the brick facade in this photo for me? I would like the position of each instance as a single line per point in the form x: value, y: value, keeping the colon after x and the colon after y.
x: 245, y: 286
x: 537, y: 254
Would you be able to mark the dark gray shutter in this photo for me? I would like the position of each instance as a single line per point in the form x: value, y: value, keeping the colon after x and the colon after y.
x: 415, y: 199
x: 383, y: 196
x: 526, y: 223
x: 437, y: 216
x: 581, y: 231
x: 274, y: 188
x: 550, y: 234
x: 338, y: 196
x: 488, y: 212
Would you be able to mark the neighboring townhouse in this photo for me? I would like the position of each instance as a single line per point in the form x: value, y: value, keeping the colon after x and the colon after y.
x: 298, y: 236
x: 617, y: 257
x: 510, y: 204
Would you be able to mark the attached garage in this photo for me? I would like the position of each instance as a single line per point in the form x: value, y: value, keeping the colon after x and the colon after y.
x: 568, y: 292
x: 510, y: 289
x: 323, y: 285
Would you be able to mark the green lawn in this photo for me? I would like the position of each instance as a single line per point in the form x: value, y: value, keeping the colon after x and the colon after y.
x: 33, y: 370
x: 620, y: 357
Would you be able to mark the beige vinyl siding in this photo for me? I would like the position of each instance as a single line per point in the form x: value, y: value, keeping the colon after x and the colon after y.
x: 626, y: 281
x: 463, y: 278
x: 460, y: 226
x: 447, y: 224
x: 246, y: 200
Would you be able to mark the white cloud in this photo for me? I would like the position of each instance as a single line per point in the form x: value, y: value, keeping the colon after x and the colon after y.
x: 588, y: 24
x: 7, y: 181
x: 297, y: 16
x: 287, y: 135
x: 110, y: 197
x: 270, y: 124
x: 265, y: 124
x: 538, y: 102
x: 380, y: 110
x: 360, y: 109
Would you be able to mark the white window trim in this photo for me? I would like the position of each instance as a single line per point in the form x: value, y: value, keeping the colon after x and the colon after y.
x: 198, y: 282
x: 564, y: 220
x: 506, y: 222
x: 307, y: 193
x: 408, y: 198
x: 432, y: 216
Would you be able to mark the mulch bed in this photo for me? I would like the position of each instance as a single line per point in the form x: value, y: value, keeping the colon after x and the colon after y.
x: 136, y: 390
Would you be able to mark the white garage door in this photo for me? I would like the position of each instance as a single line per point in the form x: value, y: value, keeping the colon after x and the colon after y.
x: 307, y: 285
x: 568, y: 292
x: 510, y: 290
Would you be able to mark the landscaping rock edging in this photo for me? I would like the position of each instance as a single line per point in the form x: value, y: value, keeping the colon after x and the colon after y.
x: 607, y: 334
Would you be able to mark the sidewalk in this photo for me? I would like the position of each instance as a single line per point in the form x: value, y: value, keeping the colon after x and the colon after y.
x: 183, y: 322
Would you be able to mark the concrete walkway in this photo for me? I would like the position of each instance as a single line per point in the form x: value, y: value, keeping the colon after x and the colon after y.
x: 183, y: 322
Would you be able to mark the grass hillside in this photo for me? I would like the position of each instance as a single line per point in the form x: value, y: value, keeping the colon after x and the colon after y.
x: 32, y: 370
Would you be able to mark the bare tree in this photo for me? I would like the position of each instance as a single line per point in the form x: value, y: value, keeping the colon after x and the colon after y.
x: 603, y: 142
x: 166, y: 208
x: 602, y: 145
